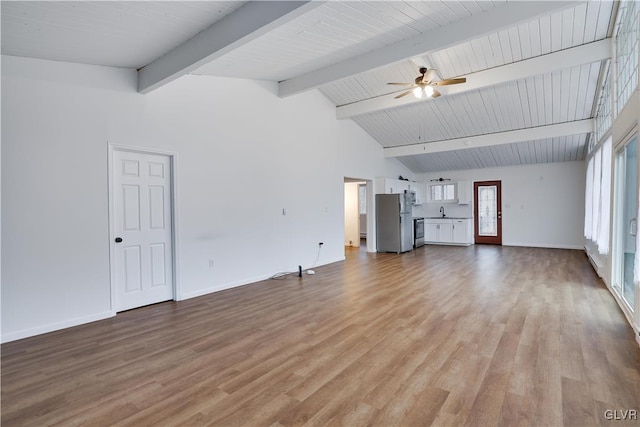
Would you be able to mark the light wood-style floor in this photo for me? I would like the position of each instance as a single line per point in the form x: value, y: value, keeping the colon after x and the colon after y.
x: 486, y: 336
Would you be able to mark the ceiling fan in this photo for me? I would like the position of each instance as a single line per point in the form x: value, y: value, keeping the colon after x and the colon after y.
x: 423, y: 87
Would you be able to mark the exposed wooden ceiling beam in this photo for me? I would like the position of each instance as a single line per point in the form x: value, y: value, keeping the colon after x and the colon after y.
x: 584, y: 54
x: 452, y: 34
x: 238, y: 28
x: 577, y: 127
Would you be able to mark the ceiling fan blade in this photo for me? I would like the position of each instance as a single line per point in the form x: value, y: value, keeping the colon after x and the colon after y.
x: 435, y: 94
x: 400, y: 84
x: 429, y: 75
x: 404, y: 94
x: 450, y: 82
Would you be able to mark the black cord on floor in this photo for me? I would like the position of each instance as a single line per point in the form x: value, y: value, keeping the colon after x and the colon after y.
x: 283, y: 275
x: 317, y: 257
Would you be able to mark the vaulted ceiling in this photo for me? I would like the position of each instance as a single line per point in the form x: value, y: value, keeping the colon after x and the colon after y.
x: 533, y: 69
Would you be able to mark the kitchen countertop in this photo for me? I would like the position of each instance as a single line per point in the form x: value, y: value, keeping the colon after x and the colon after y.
x: 448, y: 217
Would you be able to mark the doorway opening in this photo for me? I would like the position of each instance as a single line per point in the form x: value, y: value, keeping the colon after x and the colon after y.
x: 357, y: 218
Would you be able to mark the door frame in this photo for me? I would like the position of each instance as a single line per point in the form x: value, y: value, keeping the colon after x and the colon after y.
x: 476, y: 219
x: 371, y: 219
x: 616, y: 243
x: 173, y: 162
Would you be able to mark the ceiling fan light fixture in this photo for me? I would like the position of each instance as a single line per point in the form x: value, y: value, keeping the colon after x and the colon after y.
x: 423, y: 86
x: 423, y: 92
x: 428, y: 91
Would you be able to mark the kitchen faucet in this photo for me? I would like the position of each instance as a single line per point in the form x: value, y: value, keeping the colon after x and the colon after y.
x: 442, y: 211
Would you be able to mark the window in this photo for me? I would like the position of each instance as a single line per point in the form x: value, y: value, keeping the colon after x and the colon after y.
x: 442, y: 192
x: 603, y: 110
x: 488, y: 210
x: 362, y: 199
x: 626, y: 53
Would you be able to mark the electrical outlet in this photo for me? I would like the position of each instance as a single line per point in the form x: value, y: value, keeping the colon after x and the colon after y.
x: 211, y: 263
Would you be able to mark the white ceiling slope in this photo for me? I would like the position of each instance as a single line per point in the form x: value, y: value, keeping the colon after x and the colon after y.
x: 532, y: 67
x: 126, y: 34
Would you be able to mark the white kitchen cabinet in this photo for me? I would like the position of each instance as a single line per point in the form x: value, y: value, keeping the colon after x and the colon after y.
x: 461, y: 231
x: 392, y: 186
x: 401, y: 186
x: 431, y: 232
x: 420, y: 190
x: 438, y: 230
x: 395, y: 186
x: 465, y: 192
x: 448, y: 231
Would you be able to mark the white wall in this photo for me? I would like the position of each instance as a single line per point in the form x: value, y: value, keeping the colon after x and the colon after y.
x: 542, y: 204
x: 243, y: 155
x: 351, y: 215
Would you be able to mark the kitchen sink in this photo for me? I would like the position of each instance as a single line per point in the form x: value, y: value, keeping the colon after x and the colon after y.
x: 448, y: 217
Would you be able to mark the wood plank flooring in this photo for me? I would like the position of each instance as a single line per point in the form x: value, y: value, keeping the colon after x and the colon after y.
x: 446, y: 336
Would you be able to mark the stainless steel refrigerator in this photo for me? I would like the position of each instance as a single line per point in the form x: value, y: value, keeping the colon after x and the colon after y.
x: 394, y: 226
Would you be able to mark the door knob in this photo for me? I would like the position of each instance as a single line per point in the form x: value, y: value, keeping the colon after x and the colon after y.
x: 118, y: 239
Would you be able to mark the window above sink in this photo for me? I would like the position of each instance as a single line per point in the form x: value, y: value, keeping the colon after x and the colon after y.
x: 442, y: 192
x: 459, y: 192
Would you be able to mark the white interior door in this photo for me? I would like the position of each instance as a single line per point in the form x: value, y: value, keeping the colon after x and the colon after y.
x: 141, y: 232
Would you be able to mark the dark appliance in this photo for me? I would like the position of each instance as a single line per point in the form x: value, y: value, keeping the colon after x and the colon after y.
x: 393, y: 223
x: 418, y: 232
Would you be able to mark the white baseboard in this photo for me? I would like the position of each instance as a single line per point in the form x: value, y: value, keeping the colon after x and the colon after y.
x: 446, y: 244
x: 595, y: 263
x: 628, y: 315
x: 598, y: 262
x: 51, y: 327
x: 221, y: 287
x: 224, y: 286
x: 543, y: 245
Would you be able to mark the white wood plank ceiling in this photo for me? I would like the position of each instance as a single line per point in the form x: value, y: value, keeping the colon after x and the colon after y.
x: 349, y: 50
x: 558, y: 97
x: 549, y: 150
x: 125, y: 34
x: 567, y: 28
x: 335, y: 32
